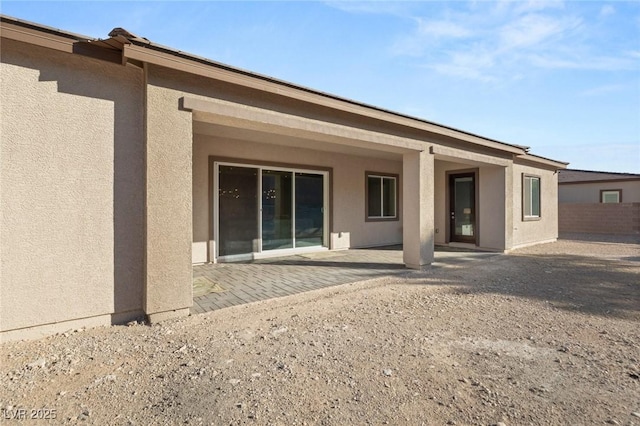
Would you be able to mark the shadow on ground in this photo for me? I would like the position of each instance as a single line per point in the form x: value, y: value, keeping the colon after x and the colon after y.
x: 574, y: 283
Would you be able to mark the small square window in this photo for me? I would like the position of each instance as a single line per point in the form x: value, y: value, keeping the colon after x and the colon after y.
x: 382, y: 196
x: 530, y: 197
x: 611, y: 196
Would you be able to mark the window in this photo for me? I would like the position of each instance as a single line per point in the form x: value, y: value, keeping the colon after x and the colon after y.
x: 611, y: 196
x: 530, y: 197
x: 382, y: 198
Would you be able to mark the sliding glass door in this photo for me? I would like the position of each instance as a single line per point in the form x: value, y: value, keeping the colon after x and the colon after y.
x: 277, y: 210
x: 268, y: 209
x: 238, y: 210
x: 309, y: 209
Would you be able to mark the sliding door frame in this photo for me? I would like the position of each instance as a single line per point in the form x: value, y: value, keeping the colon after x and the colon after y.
x: 214, y: 206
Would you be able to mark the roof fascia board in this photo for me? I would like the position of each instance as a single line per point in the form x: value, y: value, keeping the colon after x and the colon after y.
x: 600, y: 181
x: 543, y: 161
x: 156, y: 57
x: 39, y: 38
x: 469, y: 157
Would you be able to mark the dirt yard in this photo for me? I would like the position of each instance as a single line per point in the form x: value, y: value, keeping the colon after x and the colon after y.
x: 547, y: 335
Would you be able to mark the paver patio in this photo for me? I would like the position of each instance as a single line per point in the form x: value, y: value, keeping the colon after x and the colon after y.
x: 218, y: 286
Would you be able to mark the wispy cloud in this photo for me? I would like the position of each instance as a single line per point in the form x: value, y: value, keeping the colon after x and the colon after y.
x: 442, y: 29
x: 533, y: 30
x: 429, y: 33
x: 607, y: 10
x: 605, y: 90
x: 372, y: 7
x: 505, y: 40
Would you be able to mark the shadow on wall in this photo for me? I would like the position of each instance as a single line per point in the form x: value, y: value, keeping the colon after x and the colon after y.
x: 574, y: 283
x: 81, y: 76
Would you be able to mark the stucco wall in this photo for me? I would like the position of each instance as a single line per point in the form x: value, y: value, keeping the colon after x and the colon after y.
x: 494, y: 207
x: 590, y: 192
x: 539, y: 230
x: 168, y: 280
x: 348, y: 187
x: 489, y: 204
x: 70, y: 185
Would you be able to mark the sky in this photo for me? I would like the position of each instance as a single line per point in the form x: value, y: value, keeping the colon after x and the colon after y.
x: 562, y: 77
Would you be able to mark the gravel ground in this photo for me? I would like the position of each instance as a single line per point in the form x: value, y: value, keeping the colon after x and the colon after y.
x: 546, y: 335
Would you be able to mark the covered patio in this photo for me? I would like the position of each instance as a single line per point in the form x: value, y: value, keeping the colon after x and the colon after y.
x: 218, y: 286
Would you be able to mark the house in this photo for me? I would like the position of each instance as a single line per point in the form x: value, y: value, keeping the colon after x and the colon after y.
x: 599, y: 202
x: 125, y: 162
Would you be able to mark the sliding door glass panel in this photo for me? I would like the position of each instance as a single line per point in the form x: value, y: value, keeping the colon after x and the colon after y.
x: 237, y: 210
x: 277, y: 209
x: 309, y: 201
x: 464, y: 206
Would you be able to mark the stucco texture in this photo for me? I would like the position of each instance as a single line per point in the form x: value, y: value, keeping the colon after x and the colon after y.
x: 546, y: 227
x: 492, y: 205
x: 168, y: 285
x: 71, y: 214
x: 348, y: 187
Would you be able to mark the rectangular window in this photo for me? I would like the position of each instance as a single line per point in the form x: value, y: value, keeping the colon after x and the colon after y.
x: 530, y: 197
x: 611, y: 196
x: 382, y: 198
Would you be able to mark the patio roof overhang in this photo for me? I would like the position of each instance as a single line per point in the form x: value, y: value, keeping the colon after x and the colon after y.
x: 239, y: 121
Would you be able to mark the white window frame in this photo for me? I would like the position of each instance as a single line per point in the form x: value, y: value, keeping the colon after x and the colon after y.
x: 617, y: 192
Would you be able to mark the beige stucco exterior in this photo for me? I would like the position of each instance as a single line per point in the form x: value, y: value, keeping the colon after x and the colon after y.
x: 71, y: 212
x: 545, y: 228
x: 106, y: 184
x: 348, y: 175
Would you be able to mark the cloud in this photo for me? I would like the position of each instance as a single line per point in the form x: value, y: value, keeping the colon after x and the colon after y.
x: 596, y: 63
x: 442, y: 29
x: 534, y: 29
x: 371, y: 7
x: 429, y: 33
x: 509, y: 40
x: 605, y: 90
x: 607, y: 10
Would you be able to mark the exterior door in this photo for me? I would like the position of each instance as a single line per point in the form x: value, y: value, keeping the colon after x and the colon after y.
x: 462, y: 208
x: 238, y: 210
x: 260, y: 210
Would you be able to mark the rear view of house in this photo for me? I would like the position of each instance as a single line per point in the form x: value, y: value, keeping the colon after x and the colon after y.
x: 125, y: 162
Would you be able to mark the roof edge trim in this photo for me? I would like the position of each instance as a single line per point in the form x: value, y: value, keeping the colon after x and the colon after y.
x: 543, y: 160
x: 200, y: 66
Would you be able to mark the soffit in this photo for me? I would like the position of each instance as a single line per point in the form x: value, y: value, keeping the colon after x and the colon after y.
x: 228, y: 133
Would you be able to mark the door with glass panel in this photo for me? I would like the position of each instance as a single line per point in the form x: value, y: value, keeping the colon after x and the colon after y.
x: 237, y: 210
x: 309, y: 209
x: 277, y: 210
x: 269, y: 209
x: 462, y: 208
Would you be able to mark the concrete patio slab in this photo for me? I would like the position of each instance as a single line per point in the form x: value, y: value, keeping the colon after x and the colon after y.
x: 217, y: 286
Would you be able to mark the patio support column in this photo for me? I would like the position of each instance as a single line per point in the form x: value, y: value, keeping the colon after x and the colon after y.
x: 508, y: 207
x: 168, y: 270
x: 417, y: 208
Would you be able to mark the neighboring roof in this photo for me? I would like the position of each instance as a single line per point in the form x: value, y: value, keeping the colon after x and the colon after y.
x: 120, y: 37
x: 581, y: 176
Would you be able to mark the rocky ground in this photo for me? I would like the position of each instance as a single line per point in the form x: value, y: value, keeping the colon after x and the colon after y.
x: 546, y: 335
